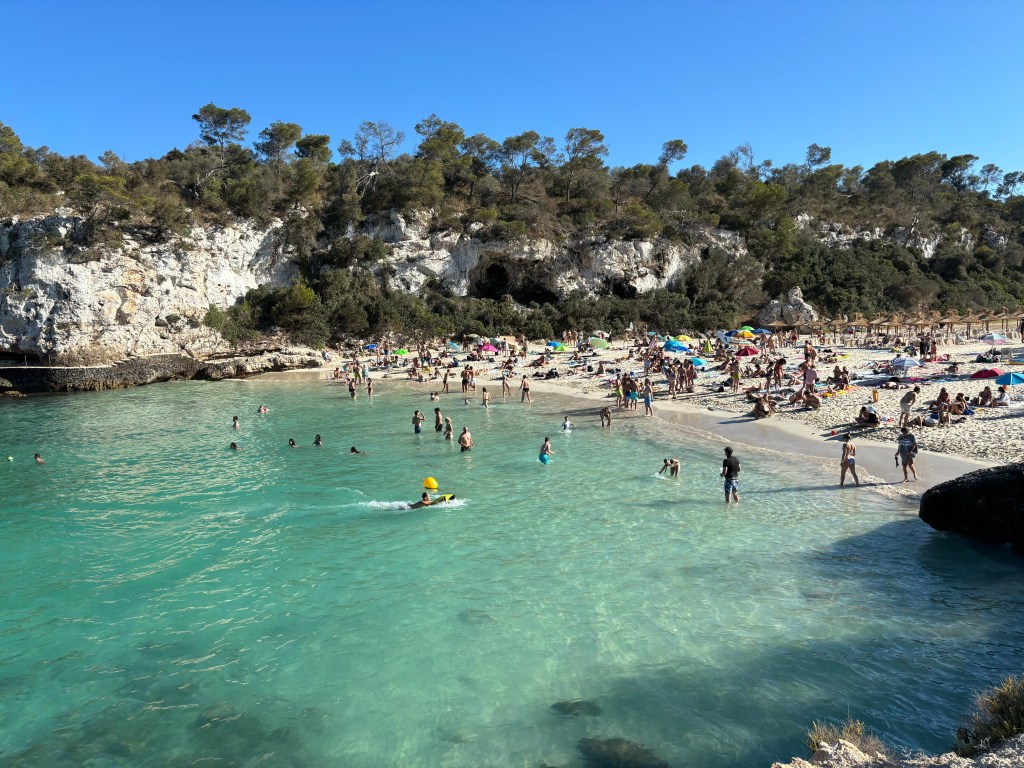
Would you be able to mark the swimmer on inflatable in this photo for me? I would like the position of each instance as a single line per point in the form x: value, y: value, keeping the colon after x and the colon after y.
x: 567, y: 425
x: 545, y: 452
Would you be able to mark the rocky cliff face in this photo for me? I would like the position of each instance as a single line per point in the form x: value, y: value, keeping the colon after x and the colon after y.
x: 66, y: 303
x: 540, y: 269
x: 70, y: 304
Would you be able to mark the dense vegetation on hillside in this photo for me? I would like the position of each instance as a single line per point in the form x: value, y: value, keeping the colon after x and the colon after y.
x: 530, y: 186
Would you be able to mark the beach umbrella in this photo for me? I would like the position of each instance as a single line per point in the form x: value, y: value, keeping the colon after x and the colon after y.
x: 987, y: 373
x: 559, y: 348
x: 683, y: 337
x: 746, y: 328
x: 745, y: 334
x: 554, y: 344
x: 371, y: 346
x: 748, y: 352
x: 762, y: 332
x: 401, y: 351
x: 1011, y: 379
x: 598, y: 343
x: 454, y: 345
x: 676, y: 346
x: 906, y: 362
x: 697, y: 361
x: 994, y: 338
x: 488, y: 348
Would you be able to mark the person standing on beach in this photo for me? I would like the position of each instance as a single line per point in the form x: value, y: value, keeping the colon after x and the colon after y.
x: 734, y: 373
x: 486, y: 398
x: 906, y: 403
x: 849, y: 461
x: 505, y: 388
x: 906, y: 450
x: 444, y: 382
x: 731, y: 473
x: 525, y: 387
x: 466, y: 440
x: 648, y: 397
x: 606, y: 417
x: 417, y: 422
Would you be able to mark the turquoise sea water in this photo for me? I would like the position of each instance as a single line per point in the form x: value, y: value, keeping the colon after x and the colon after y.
x: 166, y: 601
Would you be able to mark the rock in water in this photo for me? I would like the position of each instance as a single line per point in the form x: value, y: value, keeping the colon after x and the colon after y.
x: 576, y: 708
x: 618, y: 753
x: 475, y: 616
x: 988, y: 504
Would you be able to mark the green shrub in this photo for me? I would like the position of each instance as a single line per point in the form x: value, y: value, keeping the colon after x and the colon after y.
x: 853, y: 731
x: 998, y: 715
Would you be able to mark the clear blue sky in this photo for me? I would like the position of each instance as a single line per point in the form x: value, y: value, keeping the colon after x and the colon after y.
x: 873, y: 79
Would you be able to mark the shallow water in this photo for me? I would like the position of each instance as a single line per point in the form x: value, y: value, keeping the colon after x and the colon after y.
x: 165, y: 601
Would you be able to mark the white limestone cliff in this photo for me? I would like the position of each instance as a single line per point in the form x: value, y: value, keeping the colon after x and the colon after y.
x: 66, y: 303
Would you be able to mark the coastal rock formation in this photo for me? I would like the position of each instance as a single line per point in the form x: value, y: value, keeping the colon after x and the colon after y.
x: 66, y: 303
x: 844, y: 236
x: 148, y: 369
x: 987, y: 503
x: 793, y: 311
x: 470, y: 264
x: 842, y: 754
x: 71, y: 304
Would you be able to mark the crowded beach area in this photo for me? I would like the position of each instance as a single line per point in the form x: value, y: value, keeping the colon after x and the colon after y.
x: 956, y: 390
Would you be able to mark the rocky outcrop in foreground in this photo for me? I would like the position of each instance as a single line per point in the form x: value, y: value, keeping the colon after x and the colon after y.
x: 843, y: 754
x: 988, y: 504
x: 149, y: 369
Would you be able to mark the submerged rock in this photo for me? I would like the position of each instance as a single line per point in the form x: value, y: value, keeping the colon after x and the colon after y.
x: 618, y: 753
x: 988, y: 503
x: 476, y: 616
x: 576, y: 708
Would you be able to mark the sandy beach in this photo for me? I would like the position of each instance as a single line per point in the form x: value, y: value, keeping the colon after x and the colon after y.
x: 991, y: 436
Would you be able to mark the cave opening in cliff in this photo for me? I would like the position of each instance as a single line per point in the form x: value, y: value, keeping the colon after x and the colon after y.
x: 494, y: 281
x: 623, y: 290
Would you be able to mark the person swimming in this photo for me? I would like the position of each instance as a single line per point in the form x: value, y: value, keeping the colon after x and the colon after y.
x: 291, y: 443
x: 567, y: 425
x: 356, y: 451
x: 317, y: 441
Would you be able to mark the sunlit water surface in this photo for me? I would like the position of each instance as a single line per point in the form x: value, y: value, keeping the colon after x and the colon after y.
x: 167, y: 601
